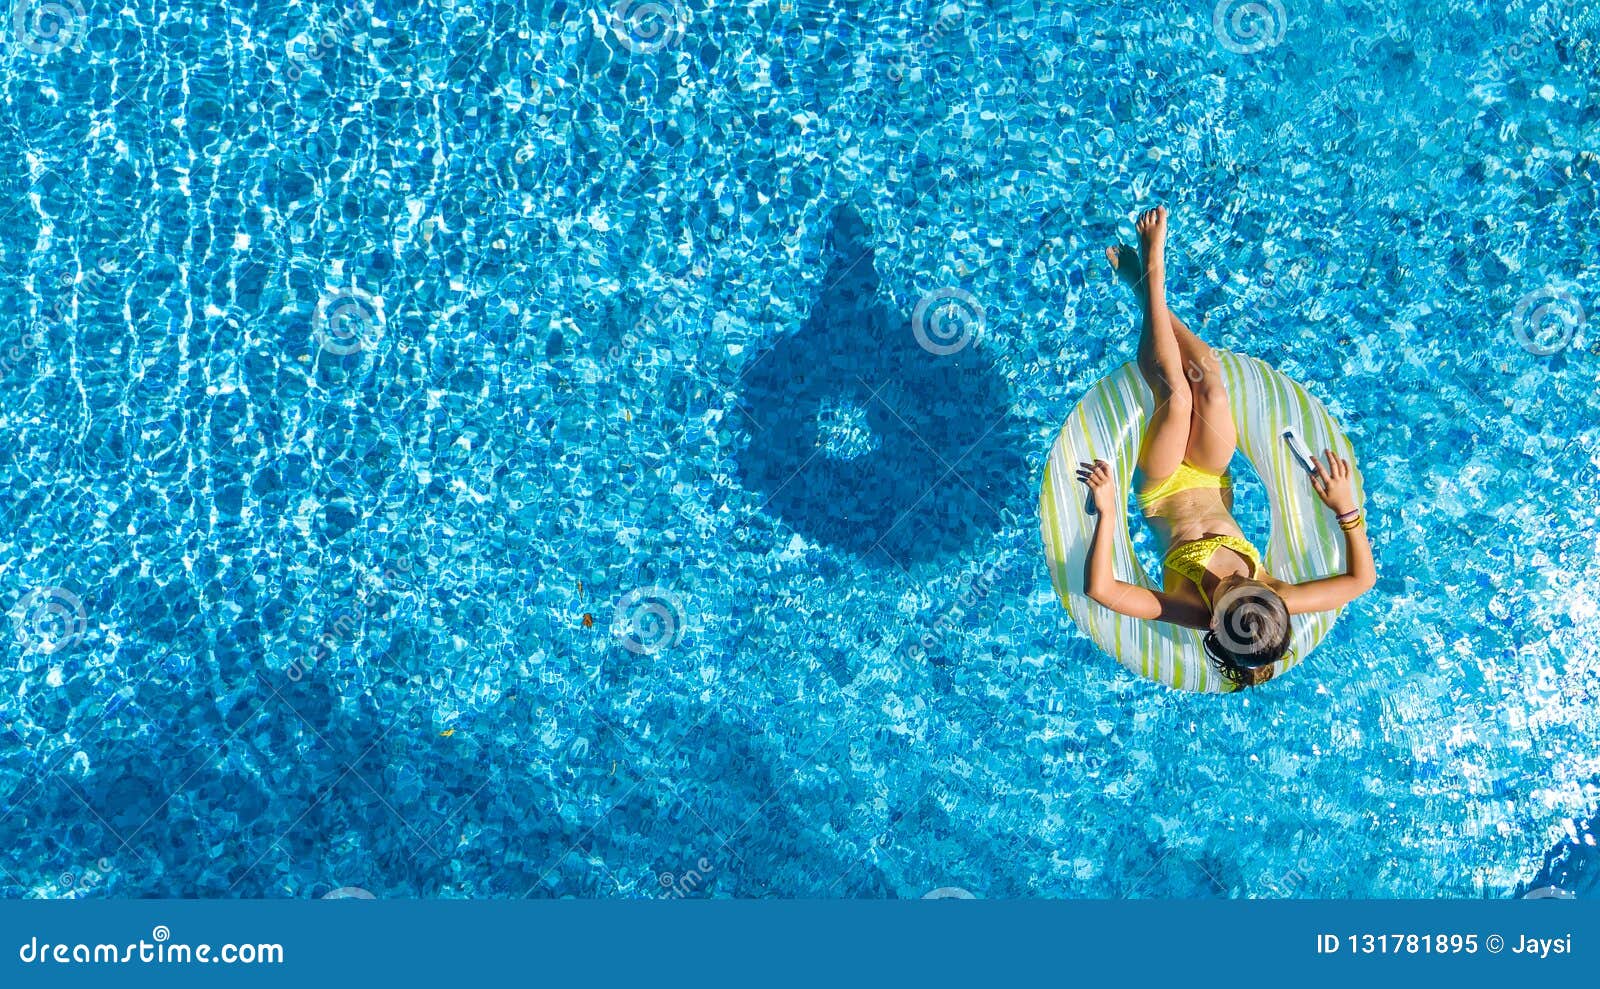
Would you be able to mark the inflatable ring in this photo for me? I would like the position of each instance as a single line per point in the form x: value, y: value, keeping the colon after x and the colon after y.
x: 1305, y: 544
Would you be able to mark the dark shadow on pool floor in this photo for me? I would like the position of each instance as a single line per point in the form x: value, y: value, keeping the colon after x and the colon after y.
x: 865, y: 441
x: 1572, y: 866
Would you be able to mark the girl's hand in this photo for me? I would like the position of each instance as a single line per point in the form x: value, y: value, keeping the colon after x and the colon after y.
x: 1098, y: 477
x: 1333, y: 483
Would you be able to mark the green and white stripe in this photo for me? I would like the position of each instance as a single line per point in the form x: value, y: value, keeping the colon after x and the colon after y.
x: 1305, y: 544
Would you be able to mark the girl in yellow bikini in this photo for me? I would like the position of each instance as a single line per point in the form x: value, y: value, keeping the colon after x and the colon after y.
x: 1213, y: 576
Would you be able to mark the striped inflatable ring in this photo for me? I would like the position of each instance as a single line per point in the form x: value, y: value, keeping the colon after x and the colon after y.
x: 1306, y: 542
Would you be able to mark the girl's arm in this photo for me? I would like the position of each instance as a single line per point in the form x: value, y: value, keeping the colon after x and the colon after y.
x: 1102, y: 586
x: 1360, y: 574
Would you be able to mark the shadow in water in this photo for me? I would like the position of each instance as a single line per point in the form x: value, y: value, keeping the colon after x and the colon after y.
x: 1571, y: 869
x: 864, y: 439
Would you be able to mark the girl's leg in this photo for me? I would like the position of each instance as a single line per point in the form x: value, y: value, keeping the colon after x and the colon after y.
x: 1213, y: 435
x: 1166, y: 436
x: 1209, y: 432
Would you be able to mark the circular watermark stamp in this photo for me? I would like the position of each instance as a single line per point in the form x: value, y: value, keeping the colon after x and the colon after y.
x: 1546, y: 320
x: 1245, y: 611
x: 948, y: 893
x: 88, y: 878
x: 305, y: 50
x: 648, y: 620
x: 1246, y: 27
x: 946, y: 320
x: 348, y: 893
x: 348, y: 321
x: 646, y: 26
x: 48, y: 26
x: 48, y: 620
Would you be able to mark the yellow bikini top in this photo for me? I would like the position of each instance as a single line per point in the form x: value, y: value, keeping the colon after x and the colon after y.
x: 1190, y: 558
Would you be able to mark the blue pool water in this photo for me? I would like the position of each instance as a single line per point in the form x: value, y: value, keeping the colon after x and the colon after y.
x: 487, y: 449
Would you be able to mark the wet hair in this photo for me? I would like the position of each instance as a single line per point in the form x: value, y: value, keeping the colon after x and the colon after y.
x: 1251, y: 633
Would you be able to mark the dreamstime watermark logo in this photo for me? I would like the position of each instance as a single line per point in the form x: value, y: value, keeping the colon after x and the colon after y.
x: 647, y: 26
x: 1282, y: 291
x: 45, y: 27
x: 348, y: 320
x: 634, y: 348
x: 1286, y: 884
x: 49, y: 620
x: 160, y: 949
x: 90, y: 278
x: 1549, y: 893
x: 648, y: 620
x: 1545, y: 321
x: 971, y: 591
x: 676, y: 887
x: 87, y: 879
x: 310, y: 48
x: 948, y: 893
x: 374, y: 589
x: 1246, y: 27
x: 13, y: 355
x: 1244, y: 611
x: 347, y: 893
x: 946, y: 320
x: 60, y: 310
x: 949, y: 19
x: 1543, y: 26
x: 1197, y: 371
x: 344, y: 625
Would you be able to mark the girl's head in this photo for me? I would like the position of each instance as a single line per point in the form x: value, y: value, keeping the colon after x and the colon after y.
x: 1249, y: 630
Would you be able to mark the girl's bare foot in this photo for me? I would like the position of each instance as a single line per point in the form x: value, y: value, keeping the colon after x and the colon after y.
x: 1125, y: 262
x: 1152, y: 228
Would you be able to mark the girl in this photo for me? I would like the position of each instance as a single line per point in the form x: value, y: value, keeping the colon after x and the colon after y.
x: 1213, y: 577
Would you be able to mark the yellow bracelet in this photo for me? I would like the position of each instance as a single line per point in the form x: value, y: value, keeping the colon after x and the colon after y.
x: 1357, y: 521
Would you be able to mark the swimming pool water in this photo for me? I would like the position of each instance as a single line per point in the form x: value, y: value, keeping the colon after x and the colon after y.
x: 591, y: 448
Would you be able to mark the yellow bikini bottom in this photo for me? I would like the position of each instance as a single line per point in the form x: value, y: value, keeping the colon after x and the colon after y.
x: 1186, y: 478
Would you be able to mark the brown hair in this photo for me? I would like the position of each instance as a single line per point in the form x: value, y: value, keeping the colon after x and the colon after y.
x: 1251, y: 633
